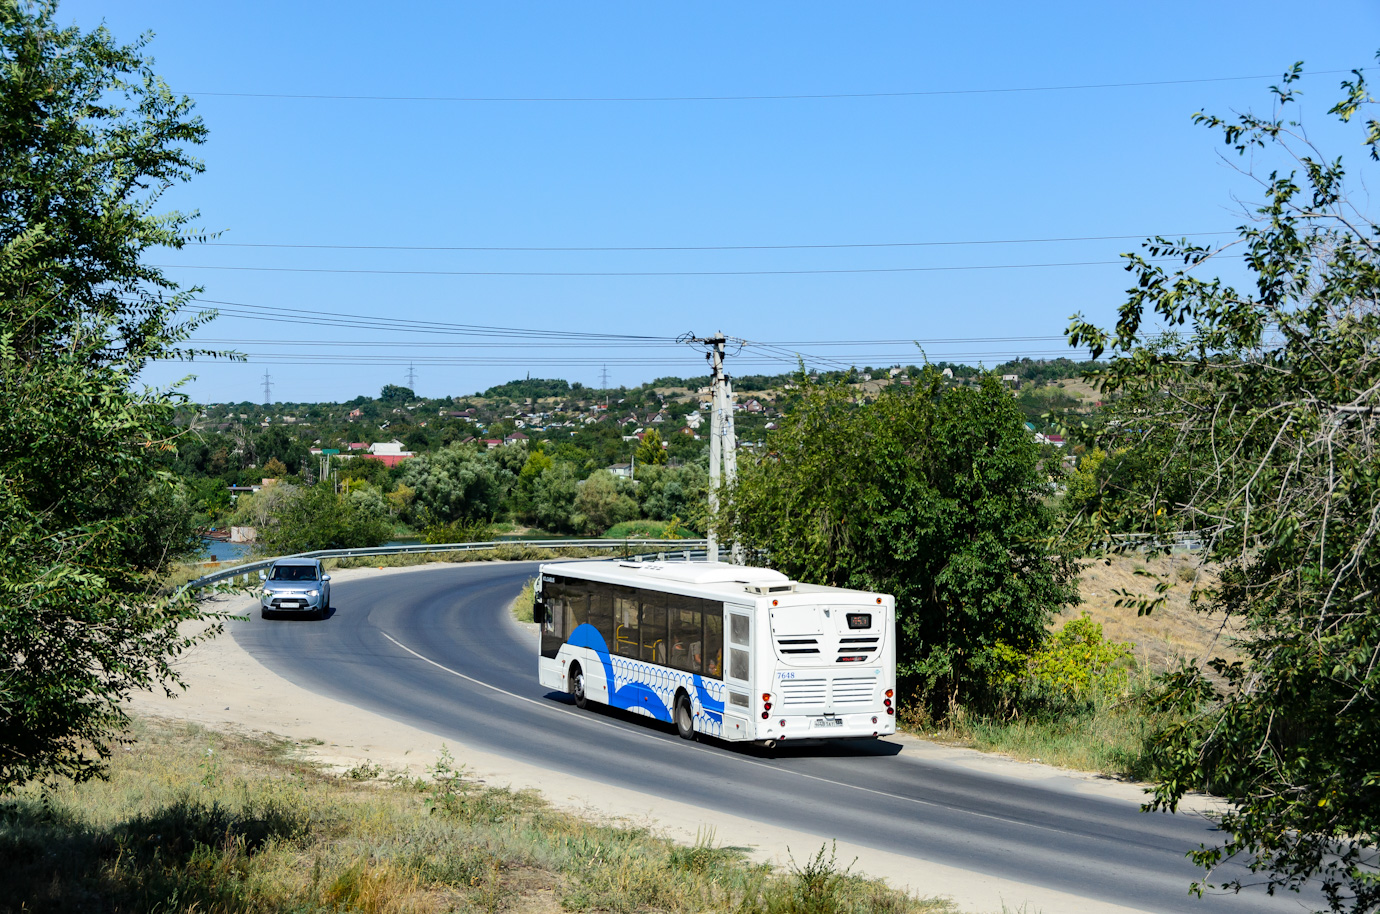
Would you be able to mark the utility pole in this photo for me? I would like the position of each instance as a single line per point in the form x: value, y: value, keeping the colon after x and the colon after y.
x: 268, y: 389
x: 604, y: 378
x: 411, y: 377
x: 723, y: 444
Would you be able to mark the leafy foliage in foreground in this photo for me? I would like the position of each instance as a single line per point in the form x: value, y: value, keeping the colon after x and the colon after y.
x: 1258, y: 430
x: 934, y: 495
x: 89, y: 138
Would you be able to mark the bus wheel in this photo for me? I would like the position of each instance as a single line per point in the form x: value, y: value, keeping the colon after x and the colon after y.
x: 685, y: 717
x: 577, y: 686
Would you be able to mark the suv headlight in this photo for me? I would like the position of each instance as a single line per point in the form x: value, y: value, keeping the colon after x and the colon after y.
x: 313, y: 593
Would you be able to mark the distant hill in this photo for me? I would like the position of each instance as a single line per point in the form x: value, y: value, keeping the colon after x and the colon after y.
x: 534, y: 388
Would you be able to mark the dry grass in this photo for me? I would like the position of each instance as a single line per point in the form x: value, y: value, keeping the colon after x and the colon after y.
x: 1174, y: 630
x: 1080, y: 390
x: 191, y: 820
x: 524, y: 605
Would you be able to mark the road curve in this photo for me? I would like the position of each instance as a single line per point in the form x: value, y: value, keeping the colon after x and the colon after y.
x: 437, y: 650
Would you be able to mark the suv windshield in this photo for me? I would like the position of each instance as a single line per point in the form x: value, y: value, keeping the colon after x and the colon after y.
x: 293, y: 573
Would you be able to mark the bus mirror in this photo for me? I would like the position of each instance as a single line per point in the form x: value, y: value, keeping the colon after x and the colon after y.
x: 539, y: 613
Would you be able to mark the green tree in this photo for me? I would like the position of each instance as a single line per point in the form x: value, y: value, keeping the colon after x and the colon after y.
x: 400, y: 499
x: 538, y: 462
x: 553, y: 498
x: 257, y: 509
x: 277, y: 443
x: 1082, y: 487
x: 649, y: 450
x: 665, y: 492
x: 89, y: 519
x: 1268, y: 407
x: 457, y: 483
x: 319, y: 518
x: 396, y: 395
x: 375, y: 472
x: 601, y: 502
x: 417, y: 440
x: 935, y: 496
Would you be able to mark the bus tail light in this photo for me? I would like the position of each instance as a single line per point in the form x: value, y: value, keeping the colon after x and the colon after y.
x: 766, y: 696
x: 889, y: 693
x: 874, y: 720
x: 766, y: 706
x: 766, y: 714
x: 783, y: 721
x: 891, y: 710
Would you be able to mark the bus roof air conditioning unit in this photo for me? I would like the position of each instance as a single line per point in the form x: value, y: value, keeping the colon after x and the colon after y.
x: 770, y: 588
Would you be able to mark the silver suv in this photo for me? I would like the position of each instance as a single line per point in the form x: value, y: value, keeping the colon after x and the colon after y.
x: 295, y: 585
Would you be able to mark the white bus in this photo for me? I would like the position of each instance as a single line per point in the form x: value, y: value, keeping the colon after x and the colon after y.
x: 732, y: 652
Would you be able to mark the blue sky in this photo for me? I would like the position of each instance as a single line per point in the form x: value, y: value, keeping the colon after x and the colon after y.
x: 972, y: 166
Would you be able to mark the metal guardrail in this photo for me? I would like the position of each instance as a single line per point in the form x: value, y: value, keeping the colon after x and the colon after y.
x: 632, y: 548
x: 1184, y: 540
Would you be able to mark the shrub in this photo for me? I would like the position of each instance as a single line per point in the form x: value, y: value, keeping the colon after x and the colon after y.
x: 1075, y: 666
x: 644, y: 529
x: 460, y: 531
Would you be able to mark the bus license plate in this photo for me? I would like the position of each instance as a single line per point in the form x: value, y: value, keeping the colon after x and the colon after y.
x: 829, y: 722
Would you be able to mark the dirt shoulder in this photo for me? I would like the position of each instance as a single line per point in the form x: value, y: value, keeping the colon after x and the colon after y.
x: 228, y: 690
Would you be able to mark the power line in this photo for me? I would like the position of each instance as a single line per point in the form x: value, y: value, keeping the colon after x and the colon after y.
x: 784, y: 351
x: 666, y: 342
x: 918, y: 93
x: 747, y: 356
x: 813, y: 272
x: 761, y: 352
x: 342, y: 319
x: 706, y: 247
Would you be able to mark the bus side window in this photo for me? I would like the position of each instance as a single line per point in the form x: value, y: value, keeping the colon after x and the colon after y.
x: 686, y: 635
x: 654, y: 628
x: 626, y: 638
x: 738, y: 629
x: 714, y: 641
x: 576, y: 608
x: 601, y: 612
x: 738, y: 666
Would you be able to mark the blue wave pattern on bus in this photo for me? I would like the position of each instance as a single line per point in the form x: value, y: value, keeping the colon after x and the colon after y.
x: 648, y: 689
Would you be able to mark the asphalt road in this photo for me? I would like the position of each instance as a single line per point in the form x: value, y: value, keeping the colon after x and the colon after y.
x: 436, y: 650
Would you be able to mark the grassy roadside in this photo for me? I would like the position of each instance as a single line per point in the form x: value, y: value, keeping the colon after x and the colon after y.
x: 1108, y: 738
x: 192, y: 820
x: 522, y: 606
